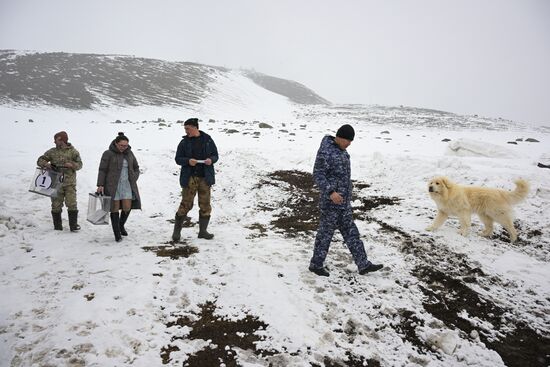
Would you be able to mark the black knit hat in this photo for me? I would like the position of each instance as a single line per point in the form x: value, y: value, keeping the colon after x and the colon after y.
x: 346, y: 132
x: 192, y: 121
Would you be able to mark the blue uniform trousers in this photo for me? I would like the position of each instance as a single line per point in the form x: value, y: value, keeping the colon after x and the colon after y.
x: 343, y: 221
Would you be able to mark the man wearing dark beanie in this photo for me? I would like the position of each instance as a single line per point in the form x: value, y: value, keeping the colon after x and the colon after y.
x: 332, y: 175
x: 196, y: 154
x: 346, y: 132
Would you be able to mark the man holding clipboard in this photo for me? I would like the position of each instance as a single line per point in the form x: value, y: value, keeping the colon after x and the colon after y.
x: 196, y: 154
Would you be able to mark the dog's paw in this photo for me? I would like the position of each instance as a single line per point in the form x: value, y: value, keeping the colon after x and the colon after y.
x: 430, y: 229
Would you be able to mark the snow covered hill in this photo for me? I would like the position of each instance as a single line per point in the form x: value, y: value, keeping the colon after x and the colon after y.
x: 246, y: 297
x: 85, y: 81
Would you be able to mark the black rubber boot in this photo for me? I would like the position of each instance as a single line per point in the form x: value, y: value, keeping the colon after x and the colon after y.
x: 323, y: 272
x: 203, y: 224
x: 115, y: 223
x: 178, y: 223
x: 123, y: 217
x: 73, y: 220
x: 371, y: 268
x: 57, y: 223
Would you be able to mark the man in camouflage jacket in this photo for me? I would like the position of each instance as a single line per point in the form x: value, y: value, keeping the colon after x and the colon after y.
x: 332, y: 175
x: 64, y: 158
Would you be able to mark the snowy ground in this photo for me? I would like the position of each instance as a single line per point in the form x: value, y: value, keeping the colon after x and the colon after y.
x: 246, y: 298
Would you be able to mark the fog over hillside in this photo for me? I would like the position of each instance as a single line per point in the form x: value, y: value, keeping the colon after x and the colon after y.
x: 91, y: 81
x: 85, y: 81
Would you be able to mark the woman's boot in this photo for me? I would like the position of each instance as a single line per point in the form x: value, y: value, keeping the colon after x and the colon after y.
x: 115, y: 223
x: 123, y: 217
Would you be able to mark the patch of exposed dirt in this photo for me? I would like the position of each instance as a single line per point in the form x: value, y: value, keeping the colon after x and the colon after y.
x: 447, y: 297
x: 223, y: 335
x: 260, y: 230
x: 300, y: 208
x: 530, y: 240
x: 351, y: 361
x: 445, y: 277
x: 171, y: 251
x: 165, y: 353
x: 299, y: 211
x: 358, y: 185
x: 408, y: 322
x: 372, y: 202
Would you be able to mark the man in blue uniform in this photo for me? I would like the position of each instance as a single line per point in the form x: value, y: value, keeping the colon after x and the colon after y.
x: 332, y: 175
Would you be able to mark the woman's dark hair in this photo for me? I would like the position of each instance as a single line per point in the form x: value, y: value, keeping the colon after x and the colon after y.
x: 120, y: 137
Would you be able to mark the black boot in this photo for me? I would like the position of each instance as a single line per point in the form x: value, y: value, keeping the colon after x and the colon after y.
x: 115, y: 223
x: 323, y: 272
x: 371, y: 268
x: 123, y: 217
x: 73, y: 220
x: 178, y: 223
x: 203, y: 224
x: 57, y: 223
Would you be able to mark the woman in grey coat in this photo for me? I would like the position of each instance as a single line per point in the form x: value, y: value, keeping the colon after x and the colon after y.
x: 117, y: 178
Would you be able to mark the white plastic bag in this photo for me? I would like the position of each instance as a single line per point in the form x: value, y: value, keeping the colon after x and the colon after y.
x: 99, y: 207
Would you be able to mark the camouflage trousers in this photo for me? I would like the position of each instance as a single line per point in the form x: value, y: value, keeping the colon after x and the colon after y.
x: 67, y: 194
x: 196, y: 184
x: 343, y: 221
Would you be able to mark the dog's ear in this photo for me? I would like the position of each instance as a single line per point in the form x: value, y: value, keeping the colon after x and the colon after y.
x: 446, y: 182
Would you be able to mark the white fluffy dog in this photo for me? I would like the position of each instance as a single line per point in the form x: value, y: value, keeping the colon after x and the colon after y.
x: 490, y: 204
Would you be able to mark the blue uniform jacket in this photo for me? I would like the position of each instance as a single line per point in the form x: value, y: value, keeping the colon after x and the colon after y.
x: 183, y: 154
x: 332, y: 172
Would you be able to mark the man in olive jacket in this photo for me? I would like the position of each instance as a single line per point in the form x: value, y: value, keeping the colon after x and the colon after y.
x: 196, y: 155
x: 64, y: 158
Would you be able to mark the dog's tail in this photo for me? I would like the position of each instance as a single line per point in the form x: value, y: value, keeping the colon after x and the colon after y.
x: 520, y: 193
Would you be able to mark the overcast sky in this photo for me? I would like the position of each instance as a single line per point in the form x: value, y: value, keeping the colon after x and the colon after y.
x: 486, y: 57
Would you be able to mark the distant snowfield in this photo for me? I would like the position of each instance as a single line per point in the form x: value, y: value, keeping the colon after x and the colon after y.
x: 81, y: 299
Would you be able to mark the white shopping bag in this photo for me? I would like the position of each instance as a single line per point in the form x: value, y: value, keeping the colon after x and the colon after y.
x: 99, y: 207
x: 46, y: 182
